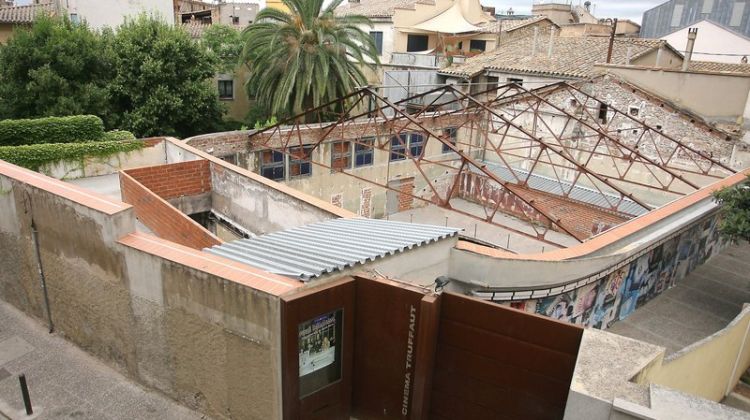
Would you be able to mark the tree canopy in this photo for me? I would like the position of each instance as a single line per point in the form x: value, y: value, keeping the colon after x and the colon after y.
x: 225, y: 44
x: 55, y: 68
x: 735, y: 203
x: 147, y: 77
x: 307, y: 57
x: 161, y: 83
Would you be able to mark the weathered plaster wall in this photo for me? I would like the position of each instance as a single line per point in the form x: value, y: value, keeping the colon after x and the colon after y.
x: 157, y: 311
x: 256, y: 207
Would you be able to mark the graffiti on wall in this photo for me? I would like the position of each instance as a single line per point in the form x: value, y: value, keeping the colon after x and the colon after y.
x: 615, y: 297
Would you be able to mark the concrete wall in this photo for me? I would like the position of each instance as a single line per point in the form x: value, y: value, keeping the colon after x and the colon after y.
x: 6, y: 31
x: 714, y: 96
x: 112, y: 13
x: 152, y: 154
x: 256, y: 207
x: 199, y: 328
x: 711, y: 367
x: 712, y: 39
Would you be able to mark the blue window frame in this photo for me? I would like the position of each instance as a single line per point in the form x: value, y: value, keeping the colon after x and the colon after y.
x: 364, y: 152
x: 299, y: 162
x: 398, y: 147
x: 451, y: 134
x: 416, y: 145
x: 272, y: 164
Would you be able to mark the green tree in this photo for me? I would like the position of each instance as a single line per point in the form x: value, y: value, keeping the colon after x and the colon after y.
x: 735, y: 206
x: 307, y: 57
x: 54, y: 68
x: 225, y: 44
x: 162, y: 81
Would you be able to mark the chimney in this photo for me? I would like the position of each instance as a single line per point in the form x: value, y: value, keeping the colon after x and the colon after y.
x: 587, y: 6
x: 533, y: 45
x: 551, y: 42
x: 692, y: 34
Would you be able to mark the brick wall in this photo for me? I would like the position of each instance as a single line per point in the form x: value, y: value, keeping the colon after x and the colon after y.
x: 406, y: 194
x: 176, y: 179
x: 164, y: 220
x: 582, y: 220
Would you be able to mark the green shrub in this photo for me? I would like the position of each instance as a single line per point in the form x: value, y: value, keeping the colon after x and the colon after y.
x: 76, y: 128
x: 118, y: 135
x: 36, y: 155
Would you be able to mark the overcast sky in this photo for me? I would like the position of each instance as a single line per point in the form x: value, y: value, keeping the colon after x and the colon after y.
x: 628, y: 9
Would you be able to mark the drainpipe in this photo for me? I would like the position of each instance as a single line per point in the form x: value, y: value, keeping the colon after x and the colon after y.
x: 692, y: 34
x: 533, y: 45
x: 35, y: 239
x: 658, y: 55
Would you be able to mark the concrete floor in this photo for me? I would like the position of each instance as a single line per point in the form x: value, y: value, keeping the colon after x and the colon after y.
x: 496, y: 235
x: 701, y: 304
x: 66, y: 382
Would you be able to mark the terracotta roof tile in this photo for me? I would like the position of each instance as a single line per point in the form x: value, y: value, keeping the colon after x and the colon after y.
x: 571, y: 56
x: 23, y: 14
x: 195, y: 28
x: 376, y: 8
x: 713, y: 66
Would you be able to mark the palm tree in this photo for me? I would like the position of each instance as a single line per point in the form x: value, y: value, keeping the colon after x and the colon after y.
x: 307, y: 57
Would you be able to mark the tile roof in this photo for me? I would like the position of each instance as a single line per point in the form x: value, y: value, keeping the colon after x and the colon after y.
x: 572, y: 57
x: 713, y: 66
x: 313, y: 250
x: 195, y: 28
x: 377, y: 8
x: 23, y: 14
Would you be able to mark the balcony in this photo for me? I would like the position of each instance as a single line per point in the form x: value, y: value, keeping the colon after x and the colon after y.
x: 430, y: 61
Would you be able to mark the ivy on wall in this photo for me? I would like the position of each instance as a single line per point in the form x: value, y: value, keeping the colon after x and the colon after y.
x: 35, y: 155
x: 72, y: 129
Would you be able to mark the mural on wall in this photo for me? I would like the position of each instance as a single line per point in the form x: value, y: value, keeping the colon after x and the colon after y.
x: 616, y: 296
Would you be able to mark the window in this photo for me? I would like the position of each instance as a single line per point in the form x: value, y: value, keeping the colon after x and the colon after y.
x: 226, y: 89
x: 416, y: 145
x: 477, y: 45
x: 363, y: 152
x: 398, y: 147
x: 299, y: 161
x: 377, y: 36
x: 603, y: 113
x: 633, y: 111
x: 341, y: 155
x: 451, y: 134
x: 272, y: 164
x: 515, y: 80
x: 236, y: 20
x: 708, y: 6
x: 416, y: 43
x: 74, y: 19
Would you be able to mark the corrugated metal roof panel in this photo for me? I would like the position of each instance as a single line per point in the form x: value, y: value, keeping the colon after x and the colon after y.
x: 320, y: 248
x: 553, y: 186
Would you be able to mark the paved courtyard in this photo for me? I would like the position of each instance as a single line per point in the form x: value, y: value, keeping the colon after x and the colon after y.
x: 701, y: 304
x: 67, y: 383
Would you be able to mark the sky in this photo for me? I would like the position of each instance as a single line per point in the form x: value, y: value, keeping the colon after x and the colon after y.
x: 627, y: 9
x: 624, y: 9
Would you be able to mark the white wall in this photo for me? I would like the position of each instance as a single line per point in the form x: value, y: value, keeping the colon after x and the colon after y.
x: 712, y: 39
x: 112, y: 13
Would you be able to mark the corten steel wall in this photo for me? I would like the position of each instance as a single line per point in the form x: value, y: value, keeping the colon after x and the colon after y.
x: 162, y: 218
x: 176, y: 179
x: 498, y: 363
x: 197, y: 327
x: 412, y: 354
x: 583, y: 220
